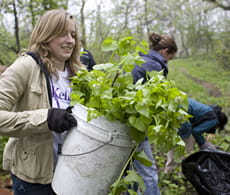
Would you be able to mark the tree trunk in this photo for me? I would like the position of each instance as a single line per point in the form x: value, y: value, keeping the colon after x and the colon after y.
x: 146, y: 17
x: 31, y: 8
x: 83, y: 33
x: 16, y: 27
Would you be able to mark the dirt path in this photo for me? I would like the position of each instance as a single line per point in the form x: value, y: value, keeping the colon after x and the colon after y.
x: 211, y: 88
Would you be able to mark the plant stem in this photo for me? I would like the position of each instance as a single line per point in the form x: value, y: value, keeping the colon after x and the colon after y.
x: 115, y: 78
x: 126, y: 164
x: 111, y: 57
x: 118, y: 72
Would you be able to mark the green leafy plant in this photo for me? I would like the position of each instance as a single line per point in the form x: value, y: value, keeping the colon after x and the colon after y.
x: 154, y: 109
x: 3, y: 141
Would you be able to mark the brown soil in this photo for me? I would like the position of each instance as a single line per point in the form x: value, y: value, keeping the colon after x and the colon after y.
x: 5, y: 191
x: 5, y: 184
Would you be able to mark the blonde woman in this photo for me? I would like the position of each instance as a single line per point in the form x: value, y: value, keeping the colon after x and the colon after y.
x: 33, y: 100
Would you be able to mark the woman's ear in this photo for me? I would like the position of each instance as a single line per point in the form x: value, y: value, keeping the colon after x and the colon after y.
x: 164, y: 51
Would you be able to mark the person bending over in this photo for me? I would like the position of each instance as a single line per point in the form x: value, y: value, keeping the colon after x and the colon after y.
x: 205, y: 119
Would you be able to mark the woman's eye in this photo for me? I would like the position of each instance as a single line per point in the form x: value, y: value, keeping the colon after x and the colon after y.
x: 63, y: 35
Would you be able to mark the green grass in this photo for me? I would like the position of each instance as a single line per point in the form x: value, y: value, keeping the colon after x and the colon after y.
x: 208, y: 71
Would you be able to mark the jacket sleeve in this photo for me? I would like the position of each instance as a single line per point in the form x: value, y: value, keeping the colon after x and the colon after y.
x: 13, y: 84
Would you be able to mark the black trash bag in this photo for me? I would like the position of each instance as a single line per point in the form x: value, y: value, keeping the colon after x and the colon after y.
x: 208, y: 171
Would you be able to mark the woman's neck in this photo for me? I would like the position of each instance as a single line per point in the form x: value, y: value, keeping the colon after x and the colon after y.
x: 59, y: 65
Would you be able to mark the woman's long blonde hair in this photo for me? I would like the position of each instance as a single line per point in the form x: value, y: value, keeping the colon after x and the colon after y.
x: 51, y: 25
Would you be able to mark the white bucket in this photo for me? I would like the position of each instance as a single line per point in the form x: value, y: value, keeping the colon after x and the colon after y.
x: 93, y: 155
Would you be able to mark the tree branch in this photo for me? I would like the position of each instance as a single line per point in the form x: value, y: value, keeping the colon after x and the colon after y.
x: 224, y: 7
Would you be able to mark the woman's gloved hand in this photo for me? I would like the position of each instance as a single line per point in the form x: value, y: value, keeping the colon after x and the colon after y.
x: 60, y: 120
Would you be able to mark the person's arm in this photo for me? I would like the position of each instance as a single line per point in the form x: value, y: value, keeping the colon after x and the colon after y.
x: 14, y: 84
x: 30, y: 117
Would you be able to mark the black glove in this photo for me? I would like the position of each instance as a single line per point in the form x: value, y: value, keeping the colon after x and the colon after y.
x: 69, y: 109
x: 60, y: 120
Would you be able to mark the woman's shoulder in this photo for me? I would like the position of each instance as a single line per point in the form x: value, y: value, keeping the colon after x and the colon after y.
x: 23, y: 66
x: 26, y: 58
x: 24, y: 61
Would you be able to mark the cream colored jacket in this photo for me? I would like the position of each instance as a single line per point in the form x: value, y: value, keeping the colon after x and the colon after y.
x: 24, y: 107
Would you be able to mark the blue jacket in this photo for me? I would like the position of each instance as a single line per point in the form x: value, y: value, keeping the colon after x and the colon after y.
x: 204, y: 120
x: 153, y: 62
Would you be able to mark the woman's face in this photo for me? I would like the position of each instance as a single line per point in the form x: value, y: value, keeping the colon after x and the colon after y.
x: 62, y: 47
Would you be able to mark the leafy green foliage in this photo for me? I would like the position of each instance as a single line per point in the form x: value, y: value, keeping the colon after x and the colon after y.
x: 3, y: 141
x: 223, y: 57
x: 154, y: 109
x: 142, y: 158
